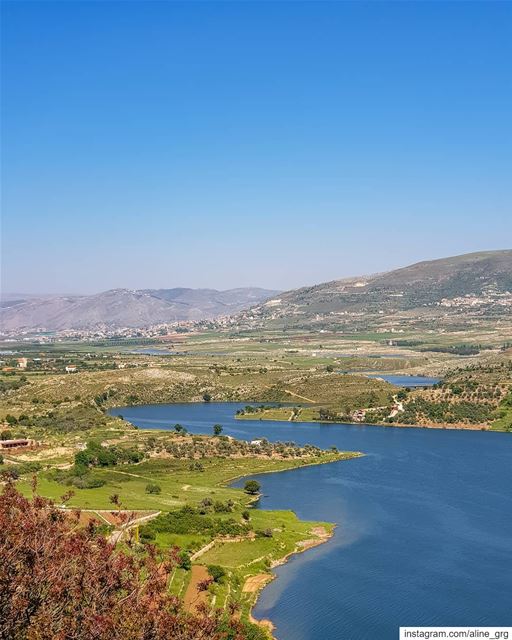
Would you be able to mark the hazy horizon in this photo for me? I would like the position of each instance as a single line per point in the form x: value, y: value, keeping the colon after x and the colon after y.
x: 7, y: 293
x: 222, y: 145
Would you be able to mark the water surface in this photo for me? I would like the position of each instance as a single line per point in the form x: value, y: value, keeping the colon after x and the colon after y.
x: 406, y: 381
x: 424, y: 533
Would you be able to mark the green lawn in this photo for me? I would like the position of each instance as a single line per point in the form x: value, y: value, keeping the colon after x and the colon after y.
x: 179, y: 485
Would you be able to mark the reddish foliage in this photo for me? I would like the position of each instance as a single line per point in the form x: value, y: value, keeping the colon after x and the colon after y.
x: 65, y: 582
x: 204, y: 584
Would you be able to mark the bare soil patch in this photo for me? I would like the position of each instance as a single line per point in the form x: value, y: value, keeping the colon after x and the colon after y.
x: 257, y: 582
x: 194, y: 597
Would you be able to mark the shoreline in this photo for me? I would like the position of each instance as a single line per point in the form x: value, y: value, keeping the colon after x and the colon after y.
x: 396, y: 425
x: 351, y: 455
x: 323, y: 536
x: 452, y: 427
x: 266, y: 623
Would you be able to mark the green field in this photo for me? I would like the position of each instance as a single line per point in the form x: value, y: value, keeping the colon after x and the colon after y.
x: 260, y: 538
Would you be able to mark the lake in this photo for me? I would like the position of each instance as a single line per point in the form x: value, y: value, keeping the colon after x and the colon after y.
x: 154, y: 352
x: 424, y: 533
x: 406, y: 381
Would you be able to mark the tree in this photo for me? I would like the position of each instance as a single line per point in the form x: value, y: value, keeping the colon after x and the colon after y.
x: 329, y: 368
x: 180, y: 429
x: 207, y: 397
x: 60, y: 581
x: 217, y: 429
x: 83, y: 459
x: 252, y: 487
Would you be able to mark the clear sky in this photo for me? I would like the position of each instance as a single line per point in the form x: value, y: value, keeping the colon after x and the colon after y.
x: 162, y: 144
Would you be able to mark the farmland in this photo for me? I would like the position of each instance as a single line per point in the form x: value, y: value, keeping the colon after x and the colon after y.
x: 176, y: 485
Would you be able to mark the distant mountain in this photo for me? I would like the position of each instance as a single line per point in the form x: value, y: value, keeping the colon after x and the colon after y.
x: 473, y: 281
x: 125, y: 308
x: 476, y: 284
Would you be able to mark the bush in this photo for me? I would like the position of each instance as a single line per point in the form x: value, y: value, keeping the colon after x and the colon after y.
x: 146, y: 535
x: 184, y: 560
x: 188, y: 520
x: 222, y: 507
x: 87, y: 482
x: 216, y: 572
x: 28, y: 467
x: 153, y: 488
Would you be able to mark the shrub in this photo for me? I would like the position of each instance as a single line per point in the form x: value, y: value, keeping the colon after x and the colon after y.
x: 87, y: 482
x: 188, y: 520
x: 216, y: 572
x: 184, y: 560
x: 153, y: 488
x: 146, y: 535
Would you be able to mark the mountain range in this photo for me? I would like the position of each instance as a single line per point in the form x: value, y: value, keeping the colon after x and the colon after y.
x: 478, y: 283
x: 124, y: 308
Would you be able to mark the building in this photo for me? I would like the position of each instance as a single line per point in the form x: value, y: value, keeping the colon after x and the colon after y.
x: 22, y: 363
x: 14, y: 444
x: 71, y: 368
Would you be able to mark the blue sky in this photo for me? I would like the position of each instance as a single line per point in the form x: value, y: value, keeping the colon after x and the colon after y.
x: 162, y: 144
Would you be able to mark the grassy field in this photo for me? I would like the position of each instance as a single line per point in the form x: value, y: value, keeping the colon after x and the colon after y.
x: 179, y: 484
x: 247, y: 542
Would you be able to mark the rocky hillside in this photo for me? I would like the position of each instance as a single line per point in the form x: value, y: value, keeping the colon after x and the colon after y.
x: 477, y: 282
x: 125, y: 308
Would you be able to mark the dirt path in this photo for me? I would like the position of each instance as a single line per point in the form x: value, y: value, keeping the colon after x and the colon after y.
x: 118, y: 534
x: 194, y: 597
x: 296, y: 395
x: 127, y: 473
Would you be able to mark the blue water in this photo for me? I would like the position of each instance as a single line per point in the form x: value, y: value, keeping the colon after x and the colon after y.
x: 402, y: 356
x: 424, y: 533
x: 406, y: 381
x: 155, y: 352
